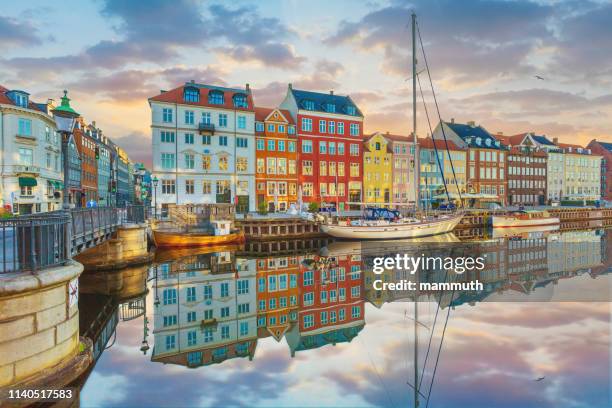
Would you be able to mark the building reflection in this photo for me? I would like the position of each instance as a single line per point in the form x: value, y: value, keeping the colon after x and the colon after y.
x: 210, y: 307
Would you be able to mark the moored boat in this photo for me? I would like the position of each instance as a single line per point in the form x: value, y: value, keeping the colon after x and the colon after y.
x: 517, y: 219
x: 176, y: 239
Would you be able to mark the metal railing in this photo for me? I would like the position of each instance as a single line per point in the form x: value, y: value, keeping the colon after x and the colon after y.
x: 34, y: 242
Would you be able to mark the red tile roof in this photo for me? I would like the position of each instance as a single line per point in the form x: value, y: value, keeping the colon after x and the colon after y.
x: 4, y: 99
x: 428, y: 143
x: 513, y: 140
x: 262, y: 113
x: 566, y: 145
x: 176, y: 96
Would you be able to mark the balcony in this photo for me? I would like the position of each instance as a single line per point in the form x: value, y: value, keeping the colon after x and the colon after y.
x: 23, y: 169
x: 206, y: 128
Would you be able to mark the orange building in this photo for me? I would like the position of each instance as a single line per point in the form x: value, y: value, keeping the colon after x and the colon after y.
x: 277, y: 295
x: 86, y: 146
x: 276, y: 153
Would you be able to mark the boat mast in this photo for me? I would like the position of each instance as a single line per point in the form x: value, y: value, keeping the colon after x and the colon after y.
x: 416, y: 203
x: 414, y: 127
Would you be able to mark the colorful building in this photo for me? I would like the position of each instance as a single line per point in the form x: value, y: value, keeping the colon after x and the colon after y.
x: 203, y: 145
x: 330, y: 138
x: 604, y: 149
x: 432, y: 179
x: 276, y: 175
x: 403, y: 168
x: 277, y: 295
x: 87, y: 146
x: 486, y: 162
x: 377, y: 169
x: 582, y: 173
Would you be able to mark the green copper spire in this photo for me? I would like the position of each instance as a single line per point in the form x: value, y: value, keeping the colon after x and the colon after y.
x: 65, y: 107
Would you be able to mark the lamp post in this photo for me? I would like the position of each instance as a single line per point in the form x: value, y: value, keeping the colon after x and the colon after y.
x: 65, y: 119
x: 155, y: 181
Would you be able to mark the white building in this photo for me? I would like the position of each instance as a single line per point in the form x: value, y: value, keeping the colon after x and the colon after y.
x: 204, y: 145
x: 205, y: 310
x: 30, y: 155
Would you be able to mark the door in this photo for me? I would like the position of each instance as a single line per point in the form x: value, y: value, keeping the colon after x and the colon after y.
x: 387, y: 196
x: 243, y: 204
x: 25, y: 209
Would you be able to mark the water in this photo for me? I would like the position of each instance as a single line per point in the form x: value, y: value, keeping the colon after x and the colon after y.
x: 545, y: 312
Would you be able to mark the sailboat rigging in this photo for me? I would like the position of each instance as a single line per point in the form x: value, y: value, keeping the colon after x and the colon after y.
x: 380, y: 223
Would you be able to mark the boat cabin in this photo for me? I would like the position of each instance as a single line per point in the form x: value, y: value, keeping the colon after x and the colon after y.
x: 377, y: 213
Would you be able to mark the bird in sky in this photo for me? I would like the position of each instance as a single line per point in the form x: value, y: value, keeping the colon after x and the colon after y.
x: 539, y: 379
x: 538, y: 77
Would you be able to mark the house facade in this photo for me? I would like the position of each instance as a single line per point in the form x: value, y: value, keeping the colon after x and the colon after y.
x: 203, y: 145
x: 604, y: 150
x: 330, y: 136
x: 403, y: 168
x: 437, y: 170
x: 31, y: 178
x: 87, y: 145
x: 276, y: 159
x: 582, y: 173
x: 377, y: 169
x: 526, y: 176
x: 486, y: 160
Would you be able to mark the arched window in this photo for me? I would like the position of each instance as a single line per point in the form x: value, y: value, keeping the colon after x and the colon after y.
x: 215, y: 97
x: 191, y: 95
x: 240, y: 101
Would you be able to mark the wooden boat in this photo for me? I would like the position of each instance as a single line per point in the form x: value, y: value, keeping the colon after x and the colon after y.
x: 176, y: 239
x: 524, y: 219
x: 389, y: 229
x: 525, y: 232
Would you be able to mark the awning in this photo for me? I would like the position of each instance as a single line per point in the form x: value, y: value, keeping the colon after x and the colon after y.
x: 27, y: 182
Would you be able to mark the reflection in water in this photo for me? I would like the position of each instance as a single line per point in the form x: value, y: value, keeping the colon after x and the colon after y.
x: 266, y: 326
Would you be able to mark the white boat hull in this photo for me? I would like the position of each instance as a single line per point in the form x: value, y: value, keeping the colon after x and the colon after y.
x: 393, y: 231
x: 509, y: 221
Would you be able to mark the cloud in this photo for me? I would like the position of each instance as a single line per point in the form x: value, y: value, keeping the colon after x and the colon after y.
x: 137, y: 145
x: 14, y: 33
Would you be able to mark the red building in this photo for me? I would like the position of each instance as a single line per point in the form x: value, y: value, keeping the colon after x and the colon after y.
x: 605, y: 150
x: 330, y: 151
x: 86, y: 146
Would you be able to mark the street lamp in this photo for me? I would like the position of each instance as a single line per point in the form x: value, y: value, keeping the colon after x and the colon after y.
x: 65, y: 119
x: 155, y: 181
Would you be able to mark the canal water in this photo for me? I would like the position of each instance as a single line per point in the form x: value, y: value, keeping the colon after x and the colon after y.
x: 229, y: 327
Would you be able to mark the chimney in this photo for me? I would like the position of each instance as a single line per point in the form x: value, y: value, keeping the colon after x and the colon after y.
x: 161, y: 91
x: 452, y: 120
x: 471, y: 123
x: 555, y: 140
x: 331, y: 92
x: 248, y: 88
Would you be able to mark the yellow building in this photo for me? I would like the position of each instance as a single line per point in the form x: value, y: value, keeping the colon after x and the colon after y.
x: 377, y: 169
x: 581, y: 173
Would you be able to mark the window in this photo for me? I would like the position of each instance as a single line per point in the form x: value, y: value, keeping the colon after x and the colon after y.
x: 281, y: 128
x: 188, y: 138
x: 189, y: 161
x: 307, y: 189
x: 292, y: 167
x: 208, y: 292
x: 224, y: 289
x: 206, y: 118
x: 306, y: 146
x: 308, y: 321
x: 307, y: 168
x: 307, y: 124
x: 169, y: 296
x: 189, y: 117
x: 323, y: 168
x: 225, y: 332
x: 206, y: 139
x: 340, y: 128
x: 242, y: 142
x: 26, y: 156
x: 354, y: 129
x: 191, y: 317
x: 20, y: 99
x: 241, y: 164
x: 308, y: 299
x: 259, y: 126
x: 168, y: 187
x: 291, y: 147
x: 332, y: 147
x: 215, y: 98
x: 167, y: 137
x: 261, y: 144
x: 354, y: 149
x: 271, y: 165
x: 322, y: 126
x: 282, y: 166
x: 167, y: 115
x: 191, y: 95
x: 281, y: 145
x: 167, y: 160
x: 272, y: 305
x: 308, y: 278
x: 241, y: 122
x: 355, y: 292
x: 243, y: 308
x: 170, y: 342
x: 261, y: 167
x: 169, y: 320
x: 222, y: 120
x: 355, y: 312
x: 354, y: 170
x: 191, y: 338
x: 189, y: 187
x: 191, y: 294
x: 323, y: 147
x: 309, y: 105
x: 271, y: 127
x: 351, y: 110
x: 243, y: 287
x: 223, y: 163
x: 205, y: 162
x: 222, y: 140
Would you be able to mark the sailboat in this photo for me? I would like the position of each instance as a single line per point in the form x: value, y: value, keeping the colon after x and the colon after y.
x: 382, y: 223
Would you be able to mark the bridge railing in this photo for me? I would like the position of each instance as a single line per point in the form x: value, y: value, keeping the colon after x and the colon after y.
x: 33, y: 242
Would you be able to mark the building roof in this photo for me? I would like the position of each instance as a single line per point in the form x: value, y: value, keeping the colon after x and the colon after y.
x: 533, y: 153
x: 321, y: 100
x: 5, y: 100
x: 176, y: 95
x: 262, y: 113
x: 568, y: 145
x: 472, y: 135
x: 508, y: 141
x: 543, y: 140
x: 398, y: 138
x: 428, y: 143
x: 605, y: 145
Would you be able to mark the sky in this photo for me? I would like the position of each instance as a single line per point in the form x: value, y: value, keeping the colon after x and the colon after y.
x: 483, y: 55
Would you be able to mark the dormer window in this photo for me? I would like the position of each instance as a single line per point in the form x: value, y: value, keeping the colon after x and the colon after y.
x: 330, y: 107
x: 240, y: 101
x: 478, y: 141
x: 192, y: 95
x: 488, y: 142
x: 215, y: 97
x: 19, y: 98
x: 309, y: 105
x: 351, y: 110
